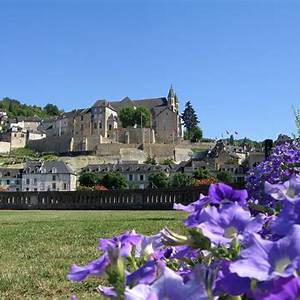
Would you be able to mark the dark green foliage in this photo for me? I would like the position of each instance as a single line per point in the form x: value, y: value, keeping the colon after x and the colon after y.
x: 114, y: 181
x: 126, y: 116
x: 88, y: 179
x: 231, y: 140
x: 159, y: 180
x: 142, y: 116
x: 182, y: 180
x: 130, y: 117
x: 202, y: 174
x: 189, y: 117
x: 51, y: 110
x: 167, y: 161
x: 150, y: 160
x: 225, y: 176
x: 15, y: 108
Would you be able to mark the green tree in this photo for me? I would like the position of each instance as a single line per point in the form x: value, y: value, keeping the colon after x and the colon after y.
x: 51, y: 110
x: 114, y: 181
x: 158, y: 180
x: 202, y: 174
x: 88, y: 179
x: 182, y: 180
x: 195, y: 134
x: 189, y: 117
x: 231, y: 140
x: 127, y: 117
x: 225, y: 177
x: 142, y: 117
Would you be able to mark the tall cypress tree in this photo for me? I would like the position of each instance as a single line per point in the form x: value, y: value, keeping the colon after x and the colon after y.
x: 189, y: 117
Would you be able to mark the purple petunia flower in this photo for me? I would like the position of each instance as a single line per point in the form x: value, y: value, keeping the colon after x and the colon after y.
x: 289, y: 216
x: 264, y: 260
x: 222, y: 225
x: 120, y: 245
x: 230, y: 283
x: 169, y: 286
x: 289, y: 190
x: 145, y: 275
x: 221, y: 193
x: 194, y: 206
x: 94, y: 268
x: 280, y: 289
x: 108, y: 292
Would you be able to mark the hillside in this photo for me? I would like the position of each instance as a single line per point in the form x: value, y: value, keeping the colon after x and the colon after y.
x: 15, y: 108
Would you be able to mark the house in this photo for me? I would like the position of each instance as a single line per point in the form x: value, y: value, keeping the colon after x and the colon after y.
x: 48, y: 176
x: 136, y: 174
x: 28, y: 123
x: 16, y: 136
x: 11, y: 179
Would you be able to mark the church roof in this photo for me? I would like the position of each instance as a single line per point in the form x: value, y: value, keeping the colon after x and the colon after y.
x: 150, y: 103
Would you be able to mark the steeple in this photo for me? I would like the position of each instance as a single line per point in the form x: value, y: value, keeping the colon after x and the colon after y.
x: 171, y: 94
x: 172, y: 99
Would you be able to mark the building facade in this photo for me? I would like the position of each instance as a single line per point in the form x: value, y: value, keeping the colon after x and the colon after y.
x: 48, y: 176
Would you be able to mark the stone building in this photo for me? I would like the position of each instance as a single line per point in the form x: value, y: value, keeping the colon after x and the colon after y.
x: 85, y: 129
x: 48, y: 176
x: 28, y: 123
x: 136, y: 174
x: 11, y: 179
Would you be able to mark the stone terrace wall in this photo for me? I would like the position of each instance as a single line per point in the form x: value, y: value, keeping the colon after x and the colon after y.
x: 101, y: 200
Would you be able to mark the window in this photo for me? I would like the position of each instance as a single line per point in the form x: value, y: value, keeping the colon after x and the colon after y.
x: 15, y: 135
x: 7, y: 181
x: 27, y: 181
x: 64, y: 186
x: 35, y: 189
x: 81, y: 127
x: 22, y: 134
x: 54, y: 186
x: 130, y: 177
x: 35, y: 181
x: 53, y: 177
x: 100, y: 124
x: 27, y: 189
x: 109, y: 127
x: 95, y: 125
x: 142, y: 177
x: 81, y: 118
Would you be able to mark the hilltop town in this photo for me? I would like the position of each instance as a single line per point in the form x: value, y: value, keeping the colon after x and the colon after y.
x: 133, y: 137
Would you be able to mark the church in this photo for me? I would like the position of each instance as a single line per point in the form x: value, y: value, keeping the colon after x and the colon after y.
x: 85, y: 129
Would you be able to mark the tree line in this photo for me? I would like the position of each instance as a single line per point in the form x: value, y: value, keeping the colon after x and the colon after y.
x: 15, y: 108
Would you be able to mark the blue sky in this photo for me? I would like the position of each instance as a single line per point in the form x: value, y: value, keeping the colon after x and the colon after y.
x: 237, y: 61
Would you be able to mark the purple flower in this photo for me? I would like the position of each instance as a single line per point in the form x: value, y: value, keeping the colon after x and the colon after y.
x: 264, y: 260
x: 222, y: 225
x: 230, y: 283
x: 148, y: 245
x: 280, y: 289
x: 194, y: 206
x: 221, y: 193
x: 289, y: 190
x: 108, y: 292
x: 120, y: 245
x: 145, y: 275
x: 168, y: 286
x: 278, y: 167
x: 289, y: 215
x: 94, y: 268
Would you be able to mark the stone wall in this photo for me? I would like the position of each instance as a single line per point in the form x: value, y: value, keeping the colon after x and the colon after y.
x: 126, y: 199
x: 4, y: 147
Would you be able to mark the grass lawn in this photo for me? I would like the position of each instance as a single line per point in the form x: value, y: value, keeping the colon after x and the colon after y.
x: 38, y: 247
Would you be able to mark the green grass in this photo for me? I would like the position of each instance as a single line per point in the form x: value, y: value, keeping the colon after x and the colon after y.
x: 38, y: 247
